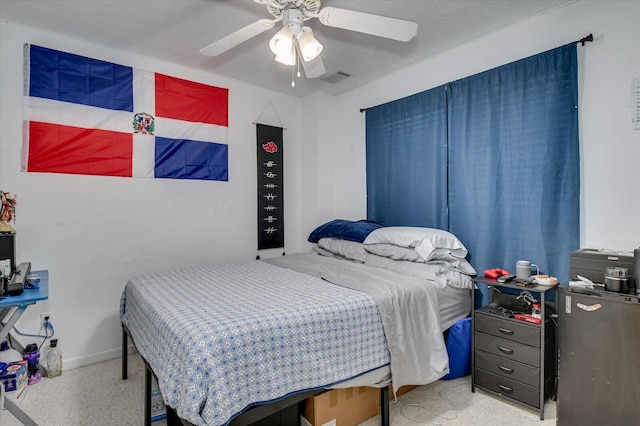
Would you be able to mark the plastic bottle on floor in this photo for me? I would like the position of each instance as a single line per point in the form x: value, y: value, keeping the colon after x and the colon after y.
x: 54, y: 359
x: 8, y: 354
x: 32, y: 356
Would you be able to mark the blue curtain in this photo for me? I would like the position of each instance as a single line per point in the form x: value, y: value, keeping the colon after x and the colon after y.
x: 499, y: 168
x: 407, y: 156
x: 514, y: 168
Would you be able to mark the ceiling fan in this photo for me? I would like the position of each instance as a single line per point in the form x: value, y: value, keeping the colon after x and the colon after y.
x: 295, y: 40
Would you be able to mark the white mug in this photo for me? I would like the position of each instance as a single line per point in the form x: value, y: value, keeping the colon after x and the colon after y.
x: 523, y: 269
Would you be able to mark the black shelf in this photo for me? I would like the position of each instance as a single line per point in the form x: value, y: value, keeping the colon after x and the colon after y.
x: 512, y: 358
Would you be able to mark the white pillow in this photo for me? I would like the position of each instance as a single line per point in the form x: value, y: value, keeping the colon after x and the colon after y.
x: 394, y: 252
x: 344, y: 248
x: 441, y: 273
x: 323, y: 252
x: 428, y: 242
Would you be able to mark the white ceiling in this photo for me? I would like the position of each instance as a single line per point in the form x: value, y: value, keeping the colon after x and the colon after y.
x: 175, y: 30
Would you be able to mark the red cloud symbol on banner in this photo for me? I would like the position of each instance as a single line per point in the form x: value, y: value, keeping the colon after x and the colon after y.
x: 270, y: 147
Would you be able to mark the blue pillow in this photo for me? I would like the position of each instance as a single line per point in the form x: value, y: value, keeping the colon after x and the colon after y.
x: 345, y: 230
x: 459, y: 349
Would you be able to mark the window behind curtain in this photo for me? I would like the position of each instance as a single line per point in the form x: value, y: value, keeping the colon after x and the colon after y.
x: 407, y: 161
x: 508, y: 185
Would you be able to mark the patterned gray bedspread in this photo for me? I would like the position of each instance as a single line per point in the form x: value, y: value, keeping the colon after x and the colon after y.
x: 224, y: 338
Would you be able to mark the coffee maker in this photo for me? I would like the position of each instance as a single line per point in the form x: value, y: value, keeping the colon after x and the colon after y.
x: 613, y: 270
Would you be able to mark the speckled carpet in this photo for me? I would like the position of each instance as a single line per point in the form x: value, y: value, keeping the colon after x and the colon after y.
x: 96, y: 395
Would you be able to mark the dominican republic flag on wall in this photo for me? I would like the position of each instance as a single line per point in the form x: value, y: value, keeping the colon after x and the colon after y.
x: 91, y: 117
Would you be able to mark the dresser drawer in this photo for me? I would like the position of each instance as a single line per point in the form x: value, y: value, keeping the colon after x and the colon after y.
x: 509, y: 368
x: 507, y: 349
x: 509, y: 329
x: 507, y: 387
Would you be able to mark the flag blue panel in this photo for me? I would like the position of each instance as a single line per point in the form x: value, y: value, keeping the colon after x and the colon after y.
x: 77, y: 79
x: 187, y: 159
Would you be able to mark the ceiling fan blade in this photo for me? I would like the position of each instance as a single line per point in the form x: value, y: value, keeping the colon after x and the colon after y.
x: 235, y: 38
x: 382, y: 26
x: 314, y: 68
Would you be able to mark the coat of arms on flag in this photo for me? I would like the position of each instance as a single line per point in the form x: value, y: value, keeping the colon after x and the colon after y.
x: 87, y: 116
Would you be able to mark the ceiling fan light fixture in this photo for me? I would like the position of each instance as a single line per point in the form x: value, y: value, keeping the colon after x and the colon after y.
x: 281, y: 44
x: 296, y: 41
x: 287, y: 59
x: 310, y: 48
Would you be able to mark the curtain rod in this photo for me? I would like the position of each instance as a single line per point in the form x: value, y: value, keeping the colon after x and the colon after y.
x: 582, y: 41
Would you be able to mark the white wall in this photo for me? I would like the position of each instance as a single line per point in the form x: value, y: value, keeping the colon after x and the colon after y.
x: 610, y: 149
x: 93, y: 233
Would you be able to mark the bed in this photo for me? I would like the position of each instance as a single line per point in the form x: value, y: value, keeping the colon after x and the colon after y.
x: 224, y: 340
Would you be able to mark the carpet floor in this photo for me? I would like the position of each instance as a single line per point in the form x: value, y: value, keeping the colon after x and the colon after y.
x: 96, y: 395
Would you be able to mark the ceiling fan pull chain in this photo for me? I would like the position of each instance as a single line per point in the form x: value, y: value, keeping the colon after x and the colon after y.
x: 293, y: 68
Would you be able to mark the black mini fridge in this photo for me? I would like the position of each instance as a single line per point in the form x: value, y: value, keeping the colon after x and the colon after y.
x: 598, y: 358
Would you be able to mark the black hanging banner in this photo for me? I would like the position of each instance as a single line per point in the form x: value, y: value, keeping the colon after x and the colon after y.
x: 270, y: 187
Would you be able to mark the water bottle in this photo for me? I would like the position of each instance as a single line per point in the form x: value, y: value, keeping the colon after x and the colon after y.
x: 32, y: 356
x: 54, y: 359
x: 8, y: 354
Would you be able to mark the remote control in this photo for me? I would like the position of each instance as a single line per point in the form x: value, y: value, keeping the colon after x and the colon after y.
x: 506, y: 278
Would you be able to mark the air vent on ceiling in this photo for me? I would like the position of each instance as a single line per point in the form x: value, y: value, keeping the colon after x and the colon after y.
x: 335, y: 78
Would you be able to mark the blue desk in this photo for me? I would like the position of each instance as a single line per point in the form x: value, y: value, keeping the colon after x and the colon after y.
x: 21, y: 303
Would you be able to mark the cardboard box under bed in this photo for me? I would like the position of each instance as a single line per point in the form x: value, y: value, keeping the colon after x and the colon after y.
x: 345, y: 407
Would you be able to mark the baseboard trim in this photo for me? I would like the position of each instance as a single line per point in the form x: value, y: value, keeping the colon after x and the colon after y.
x: 71, y: 363
x: 77, y: 362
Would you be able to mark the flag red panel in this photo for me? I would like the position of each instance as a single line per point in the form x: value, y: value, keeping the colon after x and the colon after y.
x: 190, y: 101
x: 65, y: 149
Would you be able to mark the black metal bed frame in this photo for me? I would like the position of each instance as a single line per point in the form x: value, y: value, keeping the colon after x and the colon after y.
x: 250, y: 416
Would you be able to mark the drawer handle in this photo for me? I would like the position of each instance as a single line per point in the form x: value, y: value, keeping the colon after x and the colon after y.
x: 505, y: 369
x: 505, y: 330
x: 506, y: 350
x: 507, y: 389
